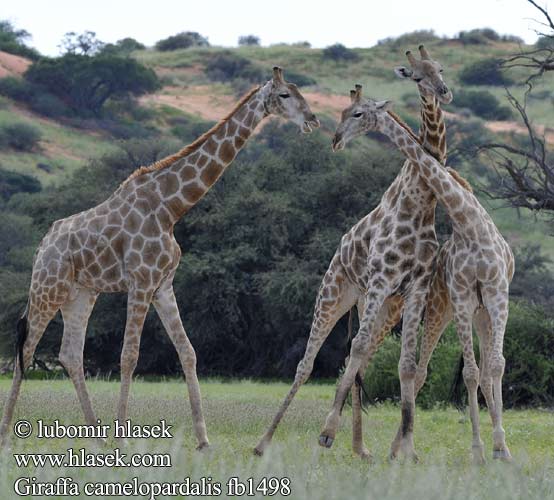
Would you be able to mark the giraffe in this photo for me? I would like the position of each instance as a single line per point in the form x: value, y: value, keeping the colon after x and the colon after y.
x: 477, y: 276
x: 403, y: 213
x: 126, y: 244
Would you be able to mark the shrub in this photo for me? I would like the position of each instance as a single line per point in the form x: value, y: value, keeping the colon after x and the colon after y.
x: 227, y: 66
x: 122, y: 47
x: 249, y: 40
x: 21, y: 136
x: 49, y: 105
x: 12, y: 41
x: 483, y: 104
x: 413, y: 38
x: 299, y: 78
x: 484, y: 72
x: 545, y: 42
x: 16, y: 88
x: 182, y: 40
x: 14, y: 182
x: 339, y: 52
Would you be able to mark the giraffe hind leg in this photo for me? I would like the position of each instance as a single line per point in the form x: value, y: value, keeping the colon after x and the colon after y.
x: 76, y: 313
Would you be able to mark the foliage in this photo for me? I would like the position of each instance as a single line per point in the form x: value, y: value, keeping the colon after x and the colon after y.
x: 20, y: 136
x: 249, y: 40
x: 13, y: 40
x: 183, y: 40
x: 85, y: 43
x: 122, y: 47
x: 484, y: 72
x: 413, y: 38
x: 483, y: 104
x: 481, y: 36
x: 545, y: 42
x: 227, y: 66
x: 533, y: 279
x: 86, y: 83
x: 16, y: 88
x: 338, y: 52
x: 13, y: 182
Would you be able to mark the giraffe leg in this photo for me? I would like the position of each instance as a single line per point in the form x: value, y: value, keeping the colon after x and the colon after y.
x: 463, y: 316
x: 497, y: 306
x: 166, y: 307
x: 389, y: 315
x: 36, y: 323
x: 358, y: 353
x: 481, y: 320
x: 438, y: 314
x: 413, y: 311
x: 76, y: 314
x: 137, y: 307
x: 336, y: 296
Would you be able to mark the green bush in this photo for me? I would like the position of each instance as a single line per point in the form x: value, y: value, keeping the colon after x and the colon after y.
x: 249, y: 40
x: 545, y: 42
x: 413, y: 38
x: 338, y: 52
x: 13, y: 41
x: 49, y: 105
x: 483, y: 104
x: 13, y: 182
x: 16, y: 88
x: 226, y: 67
x: 20, y: 136
x: 182, y: 40
x: 484, y: 72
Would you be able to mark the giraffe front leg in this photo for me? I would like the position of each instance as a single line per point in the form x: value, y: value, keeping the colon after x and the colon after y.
x: 137, y: 307
x: 166, y: 307
x: 358, y: 353
x: 336, y: 296
x: 388, y: 316
x: 404, y: 440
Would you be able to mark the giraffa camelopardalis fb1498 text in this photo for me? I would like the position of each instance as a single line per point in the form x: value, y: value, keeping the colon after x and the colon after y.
x: 126, y: 244
x: 477, y: 274
x: 405, y: 214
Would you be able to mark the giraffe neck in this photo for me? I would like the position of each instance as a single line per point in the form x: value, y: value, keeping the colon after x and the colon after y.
x: 432, y: 130
x: 186, y: 181
x: 443, y: 185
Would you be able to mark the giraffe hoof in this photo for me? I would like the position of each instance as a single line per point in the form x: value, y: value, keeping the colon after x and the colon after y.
x: 365, y: 455
x: 203, y: 446
x: 326, y: 441
x: 503, y: 455
x: 258, y: 451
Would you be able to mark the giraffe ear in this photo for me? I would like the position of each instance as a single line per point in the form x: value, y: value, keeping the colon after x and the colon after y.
x: 383, y: 105
x: 403, y: 72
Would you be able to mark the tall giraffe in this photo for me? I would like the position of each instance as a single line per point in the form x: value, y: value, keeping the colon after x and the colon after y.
x: 403, y: 213
x: 477, y: 277
x: 126, y: 244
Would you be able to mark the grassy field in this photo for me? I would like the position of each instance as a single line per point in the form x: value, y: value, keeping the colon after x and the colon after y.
x: 238, y: 412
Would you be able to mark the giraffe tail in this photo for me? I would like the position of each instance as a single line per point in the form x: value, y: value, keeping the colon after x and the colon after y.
x: 455, y: 390
x: 22, y: 329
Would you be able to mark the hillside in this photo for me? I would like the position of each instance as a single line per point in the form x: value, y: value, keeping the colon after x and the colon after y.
x: 194, y: 91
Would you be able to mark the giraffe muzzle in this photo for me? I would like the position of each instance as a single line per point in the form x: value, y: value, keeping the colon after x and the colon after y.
x: 309, y: 125
x: 338, y: 142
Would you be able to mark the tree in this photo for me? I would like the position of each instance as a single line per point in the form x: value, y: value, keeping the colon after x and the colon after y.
x: 182, y: 40
x: 484, y: 72
x: 249, y: 40
x: 525, y: 168
x: 338, y: 52
x: 85, y: 44
x: 13, y: 41
x: 86, y: 82
x: 122, y: 47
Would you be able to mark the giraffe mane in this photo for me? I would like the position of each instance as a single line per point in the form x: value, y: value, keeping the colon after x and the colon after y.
x: 193, y: 146
x: 459, y: 179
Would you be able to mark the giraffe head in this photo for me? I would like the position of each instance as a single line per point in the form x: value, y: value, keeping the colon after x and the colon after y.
x: 427, y: 74
x: 284, y: 99
x: 360, y: 117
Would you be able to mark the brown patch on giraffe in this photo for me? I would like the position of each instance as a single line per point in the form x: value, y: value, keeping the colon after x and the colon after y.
x: 175, y: 206
x: 150, y: 227
x: 239, y: 142
x: 193, y: 192
x: 227, y: 152
x: 211, y: 173
x: 132, y: 222
x: 211, y: 147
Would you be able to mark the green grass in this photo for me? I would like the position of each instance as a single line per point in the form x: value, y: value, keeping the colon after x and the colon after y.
x: 63, y: 148
x: 238, y: 412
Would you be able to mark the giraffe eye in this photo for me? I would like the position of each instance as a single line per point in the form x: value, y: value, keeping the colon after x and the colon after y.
x: 418, y: 80
x: 357, y: 115
x: 440, y: 70
x: 284, y: 96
